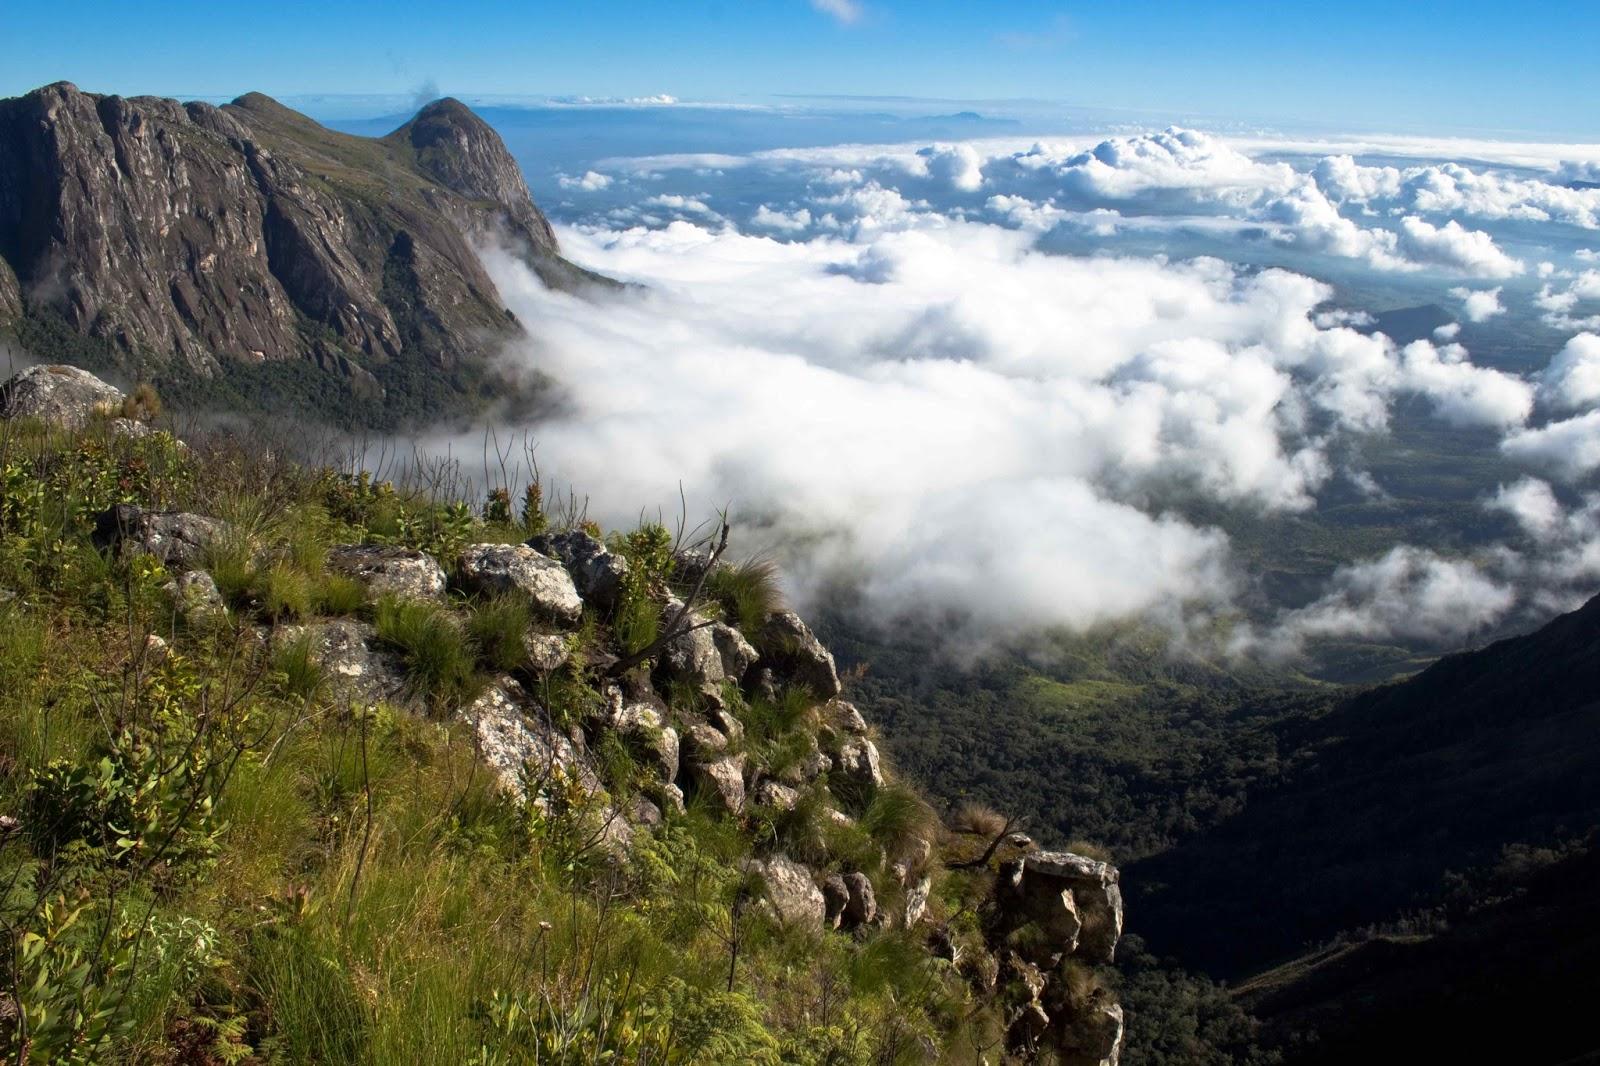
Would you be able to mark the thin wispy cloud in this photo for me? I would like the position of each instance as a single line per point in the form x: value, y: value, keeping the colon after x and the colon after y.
x: 848, y: 12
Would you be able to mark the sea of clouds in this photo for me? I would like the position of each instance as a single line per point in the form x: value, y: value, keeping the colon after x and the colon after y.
x: 988, y: 379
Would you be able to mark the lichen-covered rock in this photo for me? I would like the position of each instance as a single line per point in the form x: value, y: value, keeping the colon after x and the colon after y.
x: 176, y: 538
x: 195, y: 596
x: 691, y: 658
x: 738, y: 655
x: 863, y: 905
x: 806, y: 770
x: 389, y: 570
x: 1095, y: 893
x: 702, y: 743
x: 640, y: 727
x: 835, y: 898
x: 776, y: 795
x: 518, y: 742
x: 723, y: 781
x: 790, y: 891
x: 546, y: 651
x: 843, y: 717
x: 795, y: 656
x: 1090, y: 1037
x: 60, y: 395
x: 917, y: 901
x: 857, y: 765
x: 493, y: 569
x: 642, y: 812
x: 597, y: 572
x: 356, y: 666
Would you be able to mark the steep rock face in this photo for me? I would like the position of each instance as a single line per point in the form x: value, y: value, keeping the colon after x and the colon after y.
x: 189, y: 240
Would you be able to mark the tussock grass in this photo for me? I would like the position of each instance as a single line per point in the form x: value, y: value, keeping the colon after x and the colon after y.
x: 497, y: 627
x: 748, y: 592
x: 439, y: 655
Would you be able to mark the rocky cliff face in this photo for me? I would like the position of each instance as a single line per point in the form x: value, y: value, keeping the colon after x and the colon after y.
x: 186, y: 240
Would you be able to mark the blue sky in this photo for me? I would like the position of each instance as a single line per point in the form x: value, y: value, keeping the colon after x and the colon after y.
x: 1368, y: 65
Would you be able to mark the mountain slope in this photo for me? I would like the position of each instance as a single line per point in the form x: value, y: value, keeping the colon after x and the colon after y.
x: 1395, y: 790
x: 186, y: 242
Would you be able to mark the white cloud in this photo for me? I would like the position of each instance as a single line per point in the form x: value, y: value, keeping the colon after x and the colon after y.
x: 1568, y: 450
x: 591, y: 181
x: 1454, y: 246
x: 1572, y: 380
x: 797, y: 221
x: 846, y: 11
x: 958, y: 164
x: 1408, y: 593
x: 1532, y: 503
x: 1479, y: 305
x: 1462, y: 393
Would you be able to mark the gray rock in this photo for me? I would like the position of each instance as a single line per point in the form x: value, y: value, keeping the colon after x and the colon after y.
x: 835, y: 898
x: 843, y: 717
x: 520, y: 745
x: 790, y: 891
x: 492, y: 569
x: 857, y: 765
x: 389, y: 570
x: 1091, y: 1037
x: 179, y: 540
x: 1095, y: 894
x: 781, y: 797
x: 806, y: 770
x: 597, y: 572
x: 129, y: 429
x: 60, y: 395
x: 671, y: 797
x: 702, y: 743
x: 195, y: 596
x: 723, y: 781
x: 691, y: 658
x: 356, y: 666
x: 644, y: 813
x: 796, y: 656
x: 731, y: 727
x: 640, y: 727
x: 917, y: 901
x: 863, y: 905
x: 546, y: 651
x: 738, y: 655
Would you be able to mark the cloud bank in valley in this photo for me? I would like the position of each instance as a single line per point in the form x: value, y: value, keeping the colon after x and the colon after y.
x: 881, y: 366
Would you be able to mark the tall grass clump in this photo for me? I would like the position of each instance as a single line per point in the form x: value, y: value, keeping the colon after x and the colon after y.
x: 439, y: 656
x: 498, y: 627
x: 748, y: 592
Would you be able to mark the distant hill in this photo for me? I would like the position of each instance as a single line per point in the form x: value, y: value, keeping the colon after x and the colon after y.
x: 247, y: 254
x: 1391, y: 797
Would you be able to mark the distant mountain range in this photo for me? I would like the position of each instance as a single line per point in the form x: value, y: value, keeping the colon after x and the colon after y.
x: 248, y: 254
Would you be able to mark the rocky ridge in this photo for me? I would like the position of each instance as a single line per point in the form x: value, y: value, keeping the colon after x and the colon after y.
x: 1041, y: 924
x: 184, y: 241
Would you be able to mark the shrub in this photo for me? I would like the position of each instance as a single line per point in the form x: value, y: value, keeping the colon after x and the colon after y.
x: 142, y: 404
x: 978, y: 819
x: 748, y: 592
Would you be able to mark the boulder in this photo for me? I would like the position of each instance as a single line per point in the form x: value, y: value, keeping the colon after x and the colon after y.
x: 731, y: 727
x: 1096, y: 896
x: 195, y: 596
x: 778, y: 796
x: 807, y: 770
x: 790, y: 891
x: 835, y: 898
x: 389, y: 570
x: 843, y: 717
x: 738, y: 655
x: 642, y: 812
x: 692, y: 658
x: 355, y: 664
x: 795, y: 656
x: 917, y: 901
x: 723, y: 781
x: 1091, y: 1037
x: 129, y: 429
x: 546, y: 651
x: 702, y: 743
x: 640, y: 727
x: 521, y: 746
x: 492, y: 569
x: 863, y: 905
x: 177, y: 539
x: 597, y: 572
x: 60, y: 395
x: 857, y: 766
